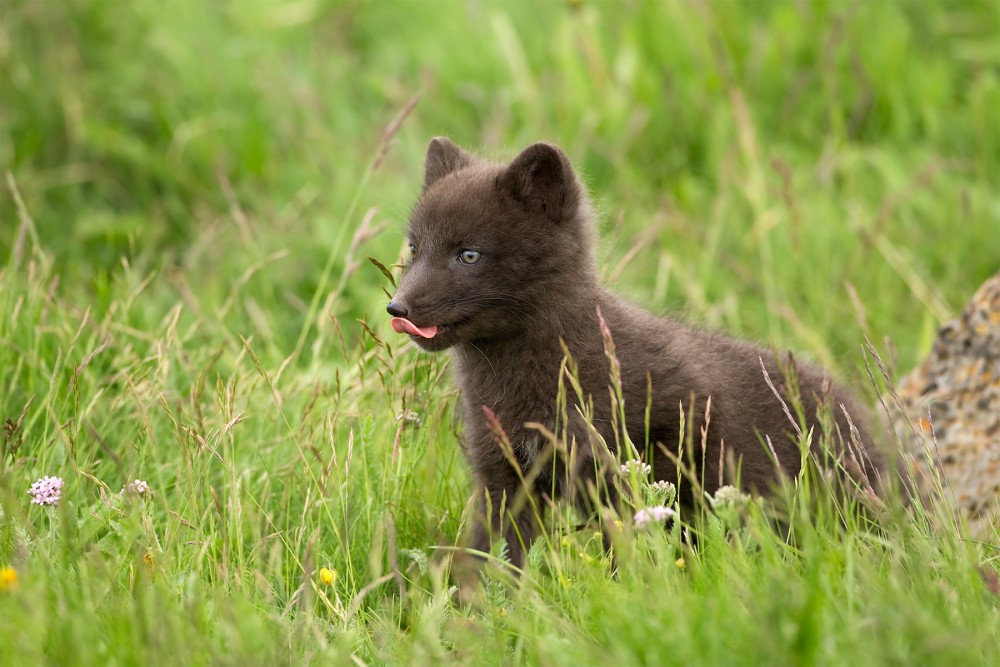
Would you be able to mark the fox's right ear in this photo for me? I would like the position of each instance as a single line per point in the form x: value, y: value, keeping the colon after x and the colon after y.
x: 443, y: 157
x: 542, y: 180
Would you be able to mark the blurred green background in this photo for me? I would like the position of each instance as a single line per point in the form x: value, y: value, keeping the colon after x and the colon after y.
x: 800, y: 172
x: 188, y: 193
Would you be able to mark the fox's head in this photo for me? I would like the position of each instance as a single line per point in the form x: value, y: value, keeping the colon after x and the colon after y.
x: 494, y: 248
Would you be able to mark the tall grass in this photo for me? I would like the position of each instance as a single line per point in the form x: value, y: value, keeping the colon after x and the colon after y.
x: 191, y: 189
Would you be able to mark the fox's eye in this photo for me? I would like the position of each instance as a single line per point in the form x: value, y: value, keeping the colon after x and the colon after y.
x: 413, y: 249
x: 469, y: 256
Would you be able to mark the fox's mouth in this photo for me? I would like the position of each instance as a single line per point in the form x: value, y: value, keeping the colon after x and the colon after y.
x: 430, y: 332
x: 403, y: 325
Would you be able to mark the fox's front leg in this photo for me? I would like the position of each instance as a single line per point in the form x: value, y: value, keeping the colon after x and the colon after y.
x: 494, y: 517
x: 592, y: 477
x: 504, y: 508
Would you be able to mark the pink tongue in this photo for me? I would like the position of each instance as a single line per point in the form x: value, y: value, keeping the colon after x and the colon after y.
x: 403, y: 325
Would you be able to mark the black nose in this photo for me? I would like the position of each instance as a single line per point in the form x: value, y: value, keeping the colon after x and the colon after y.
x: 396, y: 309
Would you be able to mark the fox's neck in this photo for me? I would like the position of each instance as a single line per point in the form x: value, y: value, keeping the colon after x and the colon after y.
x: 530, y: 359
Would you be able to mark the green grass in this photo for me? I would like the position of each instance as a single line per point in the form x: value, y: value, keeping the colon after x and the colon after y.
x: 191, y: 189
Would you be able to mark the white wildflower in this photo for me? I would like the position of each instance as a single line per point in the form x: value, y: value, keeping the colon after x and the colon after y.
x: 640, y: 467
x: 729, y: 496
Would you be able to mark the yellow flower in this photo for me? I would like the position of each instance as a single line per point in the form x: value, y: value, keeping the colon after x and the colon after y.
x: 680, y: 563
x: 8, y: 579
x: 327, y: 576
x: 148, y: 559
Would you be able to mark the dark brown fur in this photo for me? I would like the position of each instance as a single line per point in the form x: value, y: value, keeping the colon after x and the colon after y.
x: 536, y: 285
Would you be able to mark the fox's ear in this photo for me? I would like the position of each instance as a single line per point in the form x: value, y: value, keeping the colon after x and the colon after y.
x: 542, y: 180
x: 443, y: 157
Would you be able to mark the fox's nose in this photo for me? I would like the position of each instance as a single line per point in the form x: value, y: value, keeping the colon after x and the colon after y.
x: 396, y: 309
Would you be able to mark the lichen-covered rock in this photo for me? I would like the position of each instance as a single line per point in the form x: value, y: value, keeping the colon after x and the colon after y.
x: 952, y: 400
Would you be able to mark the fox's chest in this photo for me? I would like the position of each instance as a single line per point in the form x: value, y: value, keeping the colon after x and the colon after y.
x: 509, y: 416
x: 498, y: 409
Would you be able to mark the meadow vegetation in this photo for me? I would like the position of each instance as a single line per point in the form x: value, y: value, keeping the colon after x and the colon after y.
x: 190, y: 193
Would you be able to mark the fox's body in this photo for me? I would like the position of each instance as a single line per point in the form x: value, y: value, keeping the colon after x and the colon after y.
x: 503, y: 273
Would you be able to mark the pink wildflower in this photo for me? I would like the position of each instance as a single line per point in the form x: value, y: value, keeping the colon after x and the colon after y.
x: 136, y: 487
x: 46, y: 491
x: 649, y: 515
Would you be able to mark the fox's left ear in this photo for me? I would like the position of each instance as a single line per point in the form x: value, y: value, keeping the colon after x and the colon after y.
x: 542, y: 180
x: 443, y: 157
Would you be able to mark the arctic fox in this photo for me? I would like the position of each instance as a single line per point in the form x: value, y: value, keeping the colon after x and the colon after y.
x: 503, y: 273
